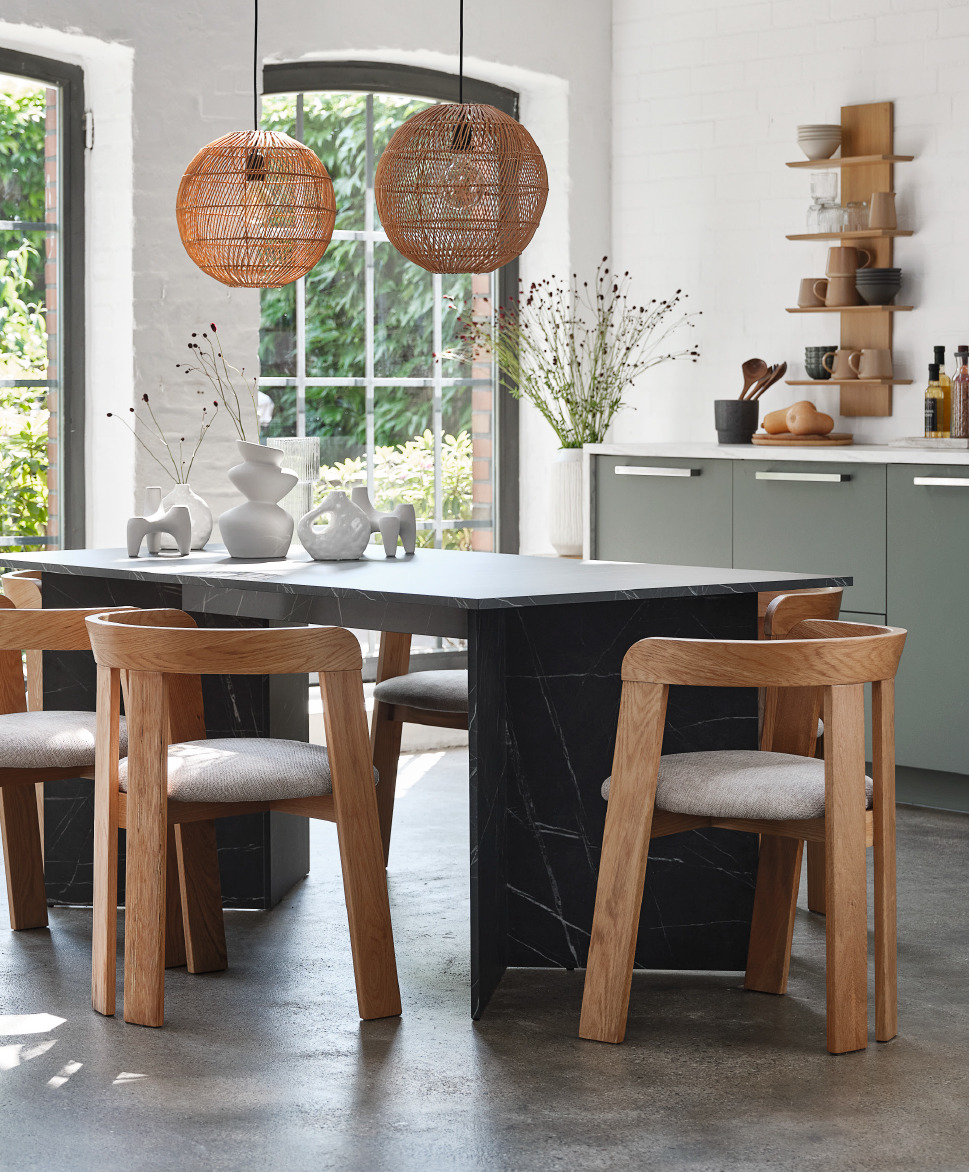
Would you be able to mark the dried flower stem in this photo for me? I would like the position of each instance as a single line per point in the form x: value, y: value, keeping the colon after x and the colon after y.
x: 219, y: 372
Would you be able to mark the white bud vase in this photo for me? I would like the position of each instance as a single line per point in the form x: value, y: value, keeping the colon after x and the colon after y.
x: 566, y: 503
x: 199, y: 513
x: 259, y: 528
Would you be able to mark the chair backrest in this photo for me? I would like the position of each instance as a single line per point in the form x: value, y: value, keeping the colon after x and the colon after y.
x: 784, y: 610
x: 22, y: 587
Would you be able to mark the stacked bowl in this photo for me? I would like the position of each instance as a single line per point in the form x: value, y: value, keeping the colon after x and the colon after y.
x: 878, y: 286
x: 819, y: 140
x: 813, y: 361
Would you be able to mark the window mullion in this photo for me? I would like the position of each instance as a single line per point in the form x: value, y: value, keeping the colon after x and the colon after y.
x: 436, y: 295
x: 369, y: 297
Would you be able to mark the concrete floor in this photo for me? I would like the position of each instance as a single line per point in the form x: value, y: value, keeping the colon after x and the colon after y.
x: 267, y: 1065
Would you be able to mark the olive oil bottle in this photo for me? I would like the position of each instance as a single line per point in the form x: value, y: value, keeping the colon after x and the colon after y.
x: 933, y: 406
x: 943, y: 422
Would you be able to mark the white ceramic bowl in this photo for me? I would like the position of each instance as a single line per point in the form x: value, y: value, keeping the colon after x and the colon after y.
x: 819, y: 148
x: 820, y: 127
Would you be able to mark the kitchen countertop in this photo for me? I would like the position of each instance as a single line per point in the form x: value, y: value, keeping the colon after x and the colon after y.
x: 850, y: 454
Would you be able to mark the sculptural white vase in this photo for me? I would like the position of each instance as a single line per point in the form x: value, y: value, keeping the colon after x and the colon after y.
x: 259, y: 528
x: 566, y: 503
x: 344, y: 538
x: 199, y: 512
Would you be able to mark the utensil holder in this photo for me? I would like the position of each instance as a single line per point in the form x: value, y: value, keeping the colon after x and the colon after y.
x: 736, y: 420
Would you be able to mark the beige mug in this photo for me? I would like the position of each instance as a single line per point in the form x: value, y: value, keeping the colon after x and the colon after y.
x: 839, y: 364
x: 843, y: 262
x: 807, y: 296
x: 873, y: 363
x: 882, y: 209
x: 838, y: 292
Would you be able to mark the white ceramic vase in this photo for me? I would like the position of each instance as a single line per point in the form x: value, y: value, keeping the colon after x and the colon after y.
x: 199, y: 513
x: 346, y: 536
x: 259, y: 528
x: 566, y: 503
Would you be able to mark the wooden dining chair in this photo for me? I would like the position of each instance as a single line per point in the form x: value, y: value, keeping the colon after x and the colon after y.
x: 174, y: 777
x: 36, y: 746
x: 783, y: 794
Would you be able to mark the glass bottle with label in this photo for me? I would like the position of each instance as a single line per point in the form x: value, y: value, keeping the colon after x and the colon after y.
x: 943, y: 422
x: 959, y: 399
x: 932, y: 405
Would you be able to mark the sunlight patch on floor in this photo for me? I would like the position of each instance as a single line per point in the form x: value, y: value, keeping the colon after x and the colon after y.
x: 29, y: 1023
x: 412, y: 768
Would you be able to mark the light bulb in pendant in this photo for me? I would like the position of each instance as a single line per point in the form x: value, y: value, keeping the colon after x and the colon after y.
x: 462, y: 185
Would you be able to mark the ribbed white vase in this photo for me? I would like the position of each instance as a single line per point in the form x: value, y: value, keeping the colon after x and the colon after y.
x: 259, y: 528
x: 566, y: 503
x: 199, y: 513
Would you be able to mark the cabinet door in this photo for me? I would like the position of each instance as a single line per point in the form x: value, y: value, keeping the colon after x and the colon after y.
x: 927, y: 594
x: 818, y: 517
x: 671, y: 511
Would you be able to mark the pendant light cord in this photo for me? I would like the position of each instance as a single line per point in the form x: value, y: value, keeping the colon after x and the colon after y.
x: 255, y: 65
x: 461, y: 51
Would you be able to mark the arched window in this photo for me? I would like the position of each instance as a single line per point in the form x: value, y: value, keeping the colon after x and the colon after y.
x: 357, y: 352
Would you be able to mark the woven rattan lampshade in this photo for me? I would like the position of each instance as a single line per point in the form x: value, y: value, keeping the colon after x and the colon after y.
x: 461, y: 188
x: 255, y: 209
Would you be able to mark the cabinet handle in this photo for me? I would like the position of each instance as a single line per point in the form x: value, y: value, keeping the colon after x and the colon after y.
x: 819, y: 477
x: 942, y: 481
x: 623, y: 470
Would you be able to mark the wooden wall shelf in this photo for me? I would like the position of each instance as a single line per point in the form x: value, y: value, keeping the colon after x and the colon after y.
x: 866, y: 166
x: 851, y: 309
x: 853, y: 160
x: 866, y: 234
x: 856, y: 382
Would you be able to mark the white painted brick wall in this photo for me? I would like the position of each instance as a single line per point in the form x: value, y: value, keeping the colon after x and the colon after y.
x: 702, y: 198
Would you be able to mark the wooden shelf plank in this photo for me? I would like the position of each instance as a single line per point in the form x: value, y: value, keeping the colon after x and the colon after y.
x: 857, y: 161
x: 851, y: 309
x: 855, y: 382
x: 868, y: 234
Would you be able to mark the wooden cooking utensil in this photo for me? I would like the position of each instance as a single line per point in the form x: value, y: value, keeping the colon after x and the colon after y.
x: 753, y: 393
x: 779, y: 372
x: 751, y: 371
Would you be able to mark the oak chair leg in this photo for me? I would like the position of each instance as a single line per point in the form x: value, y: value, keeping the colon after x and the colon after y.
x: 773, y: 918
x: 174, y: 930
x: 623, y: 862
x: 146, y: 854
x: 104, y: 931
x: 360, y: 844
x: 846, y: 941
x: 815, y: 867
x: 198, y: 874
x: 23, y: 859
x: 884, y: 857
x: 385, y: 735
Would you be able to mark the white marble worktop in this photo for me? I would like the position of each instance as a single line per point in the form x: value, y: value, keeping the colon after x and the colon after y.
x: 850, y: 454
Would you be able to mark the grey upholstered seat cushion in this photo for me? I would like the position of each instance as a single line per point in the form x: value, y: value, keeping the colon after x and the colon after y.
x: 50, y: 740
x: 244, y: 769
x: 439, y: 691
x: 742, y: 783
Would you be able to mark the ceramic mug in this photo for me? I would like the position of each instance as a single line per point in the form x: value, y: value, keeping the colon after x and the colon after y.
x: 872, y: 363
x: 807, y: 297
x: 843, y: 262
x: 839, y: 364
x: 838, y: 291
x: 882, y: 209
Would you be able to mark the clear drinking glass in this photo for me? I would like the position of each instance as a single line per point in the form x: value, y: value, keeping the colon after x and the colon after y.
x: 857, y: 216
x: 824, y: 186
x: 832, y: 218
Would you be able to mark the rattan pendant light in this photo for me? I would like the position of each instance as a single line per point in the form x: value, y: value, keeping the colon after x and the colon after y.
x: 255, y: 208
x: 461, y: 188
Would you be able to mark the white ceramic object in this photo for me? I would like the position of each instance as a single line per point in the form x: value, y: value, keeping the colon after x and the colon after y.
x: 819, y: 148
x: 259, y: 528
x: 400, y: 522
x: 344, y: 538
x: 566, y: 503
x: 199, y: 512
x: 156, y: 521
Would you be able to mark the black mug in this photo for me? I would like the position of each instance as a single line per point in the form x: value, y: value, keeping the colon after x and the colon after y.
x: 736, y: 420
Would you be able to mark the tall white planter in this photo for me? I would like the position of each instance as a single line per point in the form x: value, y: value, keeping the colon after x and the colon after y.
x: 259, y: 528
x: 566, y: 503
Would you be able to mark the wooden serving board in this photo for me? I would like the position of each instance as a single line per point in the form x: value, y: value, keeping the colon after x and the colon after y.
x: 835, y: 439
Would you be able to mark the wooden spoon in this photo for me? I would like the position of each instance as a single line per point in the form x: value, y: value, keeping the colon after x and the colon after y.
x: 770, y: 382
x: 751, y: 371
x: 760, y: 383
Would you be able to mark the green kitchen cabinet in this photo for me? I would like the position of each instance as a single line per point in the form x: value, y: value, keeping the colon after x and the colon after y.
x: 673, y: 511
x: 825, y: 518
x: 926, y: 592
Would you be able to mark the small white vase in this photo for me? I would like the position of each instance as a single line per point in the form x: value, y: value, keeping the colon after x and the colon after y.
x: 566, y: 503
x: 199, y: 513
x: 259, y: 528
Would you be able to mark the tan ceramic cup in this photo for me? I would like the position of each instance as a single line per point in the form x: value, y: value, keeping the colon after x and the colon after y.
x: 839, y: 364
x: 843, y: 262
x: 872, y: 363
x: 838, y: 292
x: 882, y: 209
x: 807, y: 297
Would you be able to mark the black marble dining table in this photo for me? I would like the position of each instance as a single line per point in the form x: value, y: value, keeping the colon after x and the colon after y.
x: 546, y: 638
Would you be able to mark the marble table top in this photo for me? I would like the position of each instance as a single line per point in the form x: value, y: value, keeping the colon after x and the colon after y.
x: 446, y: 578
